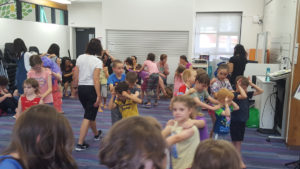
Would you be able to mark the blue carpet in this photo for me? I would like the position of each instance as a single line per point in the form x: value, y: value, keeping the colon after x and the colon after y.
x: 256, y: 152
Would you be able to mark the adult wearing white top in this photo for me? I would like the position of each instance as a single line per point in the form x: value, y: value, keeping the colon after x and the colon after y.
x: 87, y: 75
x: 22, y: 63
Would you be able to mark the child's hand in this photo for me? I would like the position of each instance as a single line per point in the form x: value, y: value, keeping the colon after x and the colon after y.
x: 105, y: 69
x: 239, y: 82
x: 8, y: 95
x: 188, y: 124
x: 191, y: 91
x: 216, y: 107
x: 113, y: 92
x: 213, y: 80
x: 171, y: 123
x: 227, y: 101
x: 41, y: 101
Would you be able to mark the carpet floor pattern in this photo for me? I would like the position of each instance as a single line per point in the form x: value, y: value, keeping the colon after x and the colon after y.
x: 256, y: 152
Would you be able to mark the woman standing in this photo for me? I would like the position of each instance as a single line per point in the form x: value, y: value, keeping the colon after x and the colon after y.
x: 237, y: 63
x: 23, y: 65
x: 183, y: 61
x: 87, y: 74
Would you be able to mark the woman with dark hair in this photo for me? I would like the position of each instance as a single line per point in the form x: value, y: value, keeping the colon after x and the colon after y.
x: 183, y: 61
x: 107, y: 60
x: 23, y: 65
x: 128, y: 65
x: 53, y: 52
x: 41, y: 138
x: 237, y: 63
x: 87, y: 77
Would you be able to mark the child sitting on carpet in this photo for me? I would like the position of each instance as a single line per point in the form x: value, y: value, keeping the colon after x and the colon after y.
x: 134, y: 143
x: 8, y: 103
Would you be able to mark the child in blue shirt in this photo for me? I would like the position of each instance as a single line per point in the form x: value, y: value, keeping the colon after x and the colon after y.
x: 222, y: 123
x: 115, y: 78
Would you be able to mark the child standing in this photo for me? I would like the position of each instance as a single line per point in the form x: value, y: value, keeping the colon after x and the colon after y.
x: 220, y: 82
x: 183, y: 142
x: 131, y: 80
x: 240, y: 117
x: 115, y: 78
x: 30, y: 96
x: 43, y: 76
x: 200, y: 96
x: 178, y: 79
x: 188, y: 76
x: 221, y: 126
x: 153, y: 78
x: 125, y: 102
x: 144, y: 76
x: 8, y: 104
x: 103, y: 87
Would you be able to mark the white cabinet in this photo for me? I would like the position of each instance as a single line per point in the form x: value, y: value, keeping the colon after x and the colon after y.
x: 266, y: 103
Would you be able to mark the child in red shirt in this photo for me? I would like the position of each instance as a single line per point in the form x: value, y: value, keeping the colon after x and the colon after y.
x: 30, y: 97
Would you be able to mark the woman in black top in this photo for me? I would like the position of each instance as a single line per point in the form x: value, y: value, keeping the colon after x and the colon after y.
x: 237, y: 62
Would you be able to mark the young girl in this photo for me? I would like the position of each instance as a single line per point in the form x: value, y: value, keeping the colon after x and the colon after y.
x: 222, y: 123
x: 41, y: 138
x: 216, y: 84
x: 56, y: 80
x: 103, y: 82
x: 153, y: 78
x: 142, y: 147
x: 30, y: 96
x: 178, y: 81
x: 183, y: 142
x: 43, y: 76
x: 216, y: 154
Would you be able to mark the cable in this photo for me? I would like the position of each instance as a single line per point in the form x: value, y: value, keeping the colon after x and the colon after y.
x: 262, y: 115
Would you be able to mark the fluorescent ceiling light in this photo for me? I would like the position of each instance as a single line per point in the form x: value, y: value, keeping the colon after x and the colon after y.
x: 62, y: 1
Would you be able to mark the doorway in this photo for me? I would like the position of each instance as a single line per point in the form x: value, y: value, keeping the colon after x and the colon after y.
x: 83, y: 36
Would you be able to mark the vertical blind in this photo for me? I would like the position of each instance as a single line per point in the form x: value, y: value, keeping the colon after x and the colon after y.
x: 216, y: 34
x: 126, y: 43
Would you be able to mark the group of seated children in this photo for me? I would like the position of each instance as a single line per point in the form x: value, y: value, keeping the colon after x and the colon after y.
x: 229, y: 111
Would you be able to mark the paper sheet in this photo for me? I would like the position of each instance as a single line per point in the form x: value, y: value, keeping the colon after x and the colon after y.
x: 297, y: 93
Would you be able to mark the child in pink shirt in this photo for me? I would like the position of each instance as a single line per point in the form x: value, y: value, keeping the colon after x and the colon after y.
x: 43, y: 76
x: 153, y: 78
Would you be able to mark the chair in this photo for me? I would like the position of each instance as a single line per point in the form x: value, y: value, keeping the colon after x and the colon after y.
x: 34, y: 49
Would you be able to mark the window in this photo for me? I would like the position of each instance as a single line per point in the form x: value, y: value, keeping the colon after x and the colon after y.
x: 28, y: 11
x: 8, y: 9
x: 60, y: 18
x: 45, y: 14
x: 217, y: 34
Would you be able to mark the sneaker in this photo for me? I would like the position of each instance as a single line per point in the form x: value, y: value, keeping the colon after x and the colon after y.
x: 81, y: 147
x: 97, y: 137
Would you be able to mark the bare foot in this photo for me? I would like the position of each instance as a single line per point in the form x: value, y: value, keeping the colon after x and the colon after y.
x: 100, y: 109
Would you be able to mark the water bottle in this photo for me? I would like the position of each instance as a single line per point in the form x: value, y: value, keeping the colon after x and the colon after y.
x: 267, y: 74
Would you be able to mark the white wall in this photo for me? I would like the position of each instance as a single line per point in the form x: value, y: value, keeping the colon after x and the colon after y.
x: 249, y: 8
x: 35, y: 34
x: 84, y: 15
x: 280, y: 20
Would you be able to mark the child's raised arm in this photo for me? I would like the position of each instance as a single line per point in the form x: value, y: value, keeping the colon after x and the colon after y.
x: 185, y: 134
x: 258, y: 90
x: 243, y: 94
x: 235, y: 106
x: 134, y: 98
x: 193, y: 122
x: 111, y: 104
